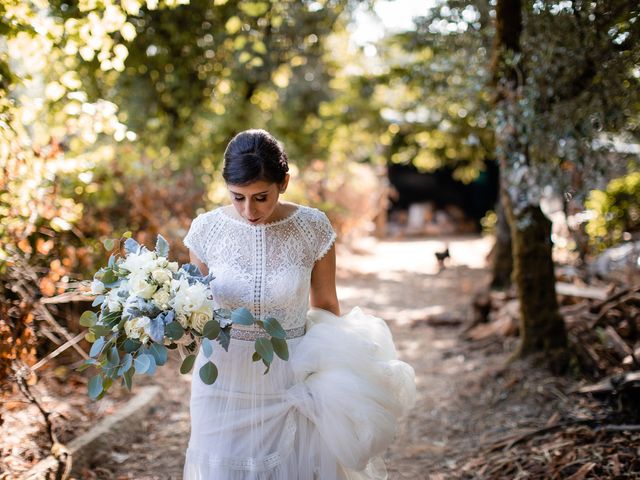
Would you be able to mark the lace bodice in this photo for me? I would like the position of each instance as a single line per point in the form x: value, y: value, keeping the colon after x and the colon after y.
x: 265, y: 268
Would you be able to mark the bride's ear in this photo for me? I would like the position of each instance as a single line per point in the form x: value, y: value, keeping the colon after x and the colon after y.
x: 284, y: 184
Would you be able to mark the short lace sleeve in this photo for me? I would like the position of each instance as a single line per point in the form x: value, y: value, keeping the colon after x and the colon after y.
x: 324, y: 235
x: 198, y: 235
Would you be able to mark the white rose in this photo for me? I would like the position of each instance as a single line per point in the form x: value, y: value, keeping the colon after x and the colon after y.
x: 97, y: 287
x: 140, y: 287
x: 161, y: 298
x: 191, y: 298
x: 161, y: 275
x: 198, y: 319
x: 139, y: 263
x: 138, y: 328
x: 162, y: 262
x: 173, y: 266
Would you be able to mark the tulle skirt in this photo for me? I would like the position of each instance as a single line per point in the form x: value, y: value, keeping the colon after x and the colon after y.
x: 328, y: 412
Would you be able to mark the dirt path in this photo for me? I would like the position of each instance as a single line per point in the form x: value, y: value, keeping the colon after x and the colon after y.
x: 455, y: 411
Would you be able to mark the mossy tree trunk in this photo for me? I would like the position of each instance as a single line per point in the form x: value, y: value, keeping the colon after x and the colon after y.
x: 542, y: 328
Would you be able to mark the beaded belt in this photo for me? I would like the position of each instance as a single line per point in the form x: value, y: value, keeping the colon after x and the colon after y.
x: 253, y: 334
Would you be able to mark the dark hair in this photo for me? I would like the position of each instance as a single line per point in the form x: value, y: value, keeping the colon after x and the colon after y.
x: 254, y: 155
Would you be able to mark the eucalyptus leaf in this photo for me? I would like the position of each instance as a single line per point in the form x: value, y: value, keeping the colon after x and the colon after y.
x: 127, y: 362
x: 96, y: 348
x: 242, y: 316
x: 174, y: 330
x: 273, y: 328
x: 142, y: 363
x: 109, y: 277
x: 159, y: 353
x: 113, y: 356
x: 108, y: 243
x: 211, y: 329
x: 256, y: 357
x: 128, y: 378
x: 99, y: 300
x: 264, y: 349
x: 187, y: 364
x: 207, y: 349
x: 131, y: 345
x: 88, y: 319
x: 208, y: 373
x: 280, y: 347
x: 95, y: 387
x: 90, y: 337
x: 100, y: 330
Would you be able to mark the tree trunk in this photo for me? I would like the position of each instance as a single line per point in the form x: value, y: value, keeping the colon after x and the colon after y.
x: 502, y: 262
x: 541, y: 325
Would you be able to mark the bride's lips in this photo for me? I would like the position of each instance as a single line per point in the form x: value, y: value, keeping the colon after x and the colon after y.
x: 253, y: 220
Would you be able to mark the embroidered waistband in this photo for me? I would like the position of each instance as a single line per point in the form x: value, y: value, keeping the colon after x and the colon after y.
x: 252, y: 335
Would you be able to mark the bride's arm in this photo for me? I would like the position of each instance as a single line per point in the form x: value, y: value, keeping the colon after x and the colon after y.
x: 198, y: 263
x: 323, y: 283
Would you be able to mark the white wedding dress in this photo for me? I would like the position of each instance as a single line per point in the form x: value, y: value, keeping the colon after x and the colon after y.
x: 328, y: 412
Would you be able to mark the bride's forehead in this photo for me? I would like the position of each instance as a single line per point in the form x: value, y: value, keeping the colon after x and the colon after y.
x: 253, y: 188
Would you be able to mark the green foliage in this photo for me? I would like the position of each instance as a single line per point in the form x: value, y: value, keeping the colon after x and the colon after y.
x: 615, y: 210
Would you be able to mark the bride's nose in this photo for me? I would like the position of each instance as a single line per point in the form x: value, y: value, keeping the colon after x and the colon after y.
x: 248, y: 209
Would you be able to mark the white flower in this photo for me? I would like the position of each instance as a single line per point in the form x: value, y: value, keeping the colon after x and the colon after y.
x: 97, y: 287
x: 138, y: 328
x: 173, y: 266
x: 139, y: 263
x: 113, y: 301
x: 139, y: 286
x: 192, y: 304
x: 197, y: 320
x: 162, y: 298
x: 161, y: 275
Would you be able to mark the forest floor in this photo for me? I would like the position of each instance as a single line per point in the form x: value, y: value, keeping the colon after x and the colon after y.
x: 472, y: 405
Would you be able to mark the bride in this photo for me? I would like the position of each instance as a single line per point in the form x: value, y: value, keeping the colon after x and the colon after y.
x: 331, y: 410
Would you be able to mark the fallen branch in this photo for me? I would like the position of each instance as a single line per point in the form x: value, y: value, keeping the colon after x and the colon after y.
x: 58, y: 351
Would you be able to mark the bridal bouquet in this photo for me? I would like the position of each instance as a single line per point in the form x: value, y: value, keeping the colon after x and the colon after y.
x: 148, y: 305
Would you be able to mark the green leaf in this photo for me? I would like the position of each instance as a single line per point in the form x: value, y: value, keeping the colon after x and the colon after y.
x: 95, y: 387
x: 162, y: 247
x: 208, y: 373
x: 108, y: 277
x: 127, y: 362
x: 99, y: 300
x: 113, y: 357
x: 159, y: 352
x: 128, y: 378
x: 142, y: 363
x: 273, y: 328
x: 96, y: 348
x: 109, y: 243
x: 89, y: 337
x: 131, y: 345
x: 207, y: 347
x: 264, y: 349
x: 88, y: 319
x: 174, y: 330
x: 211, y: 329
x: 187, y: 364
x: 280, y: 347
x: 127, y: 234
x: 242, y: 316
x: 255, y: 357
x: 100, y: 330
